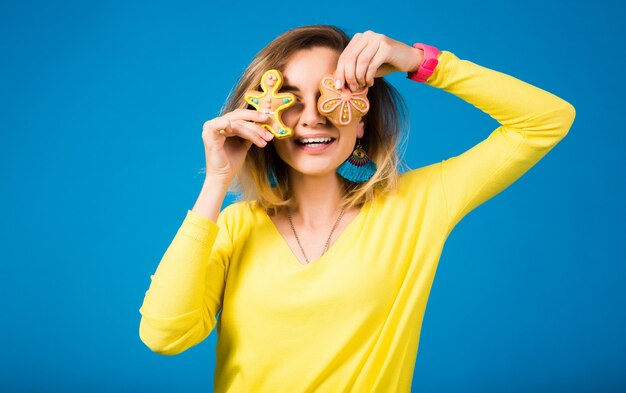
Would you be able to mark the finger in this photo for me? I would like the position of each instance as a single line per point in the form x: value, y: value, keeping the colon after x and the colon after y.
x: 253, y: 124
x: 248, y: 131
x: 384, y: 69
x: 260, y: 131
x: 350, y: 64
x: 364, y: 62
x: 348, y: 55
x: 373, y: 67
x: 213, y: 126
x: 339, y: 76
x: 247, y: 114
x: 243, y: 124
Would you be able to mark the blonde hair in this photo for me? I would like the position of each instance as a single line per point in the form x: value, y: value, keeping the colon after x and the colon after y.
x: 383, y: 138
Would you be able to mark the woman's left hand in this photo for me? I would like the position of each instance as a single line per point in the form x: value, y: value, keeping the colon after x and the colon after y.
x: 371, y: 55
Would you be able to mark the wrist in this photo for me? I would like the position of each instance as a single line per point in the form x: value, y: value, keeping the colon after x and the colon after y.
x: 210, y: 199
x: 428, y: 63
x: 417, y: 59
x: 214, y: 182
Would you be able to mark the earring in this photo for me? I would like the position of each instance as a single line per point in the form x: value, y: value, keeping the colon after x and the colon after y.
x: 271, y: 175
x: 358, y: 168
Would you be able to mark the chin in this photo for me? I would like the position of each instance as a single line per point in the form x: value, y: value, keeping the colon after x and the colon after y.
x: 316, y: 171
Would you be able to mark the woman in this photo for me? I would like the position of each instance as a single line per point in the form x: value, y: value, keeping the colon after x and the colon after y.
x: 322, y: 281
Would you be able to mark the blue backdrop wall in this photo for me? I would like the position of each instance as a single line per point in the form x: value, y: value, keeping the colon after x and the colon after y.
x: 101, y: 112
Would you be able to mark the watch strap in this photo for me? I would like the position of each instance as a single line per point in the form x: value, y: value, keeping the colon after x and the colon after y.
x: 429, y: 63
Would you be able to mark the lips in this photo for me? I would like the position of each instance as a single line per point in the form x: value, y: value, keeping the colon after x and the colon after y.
x: 307, y: 141
x: 315, y: 147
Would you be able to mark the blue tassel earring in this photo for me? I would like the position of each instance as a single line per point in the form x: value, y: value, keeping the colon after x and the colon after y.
x: 358, y: 168
x: 272, y: 176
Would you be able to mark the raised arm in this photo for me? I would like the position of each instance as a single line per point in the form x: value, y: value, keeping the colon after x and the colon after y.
x: 180, y: 307
x: 532, y: 122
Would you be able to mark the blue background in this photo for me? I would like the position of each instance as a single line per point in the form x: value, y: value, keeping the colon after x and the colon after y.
x: 102, y: 106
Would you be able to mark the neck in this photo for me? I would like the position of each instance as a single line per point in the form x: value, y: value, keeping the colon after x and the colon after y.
x: 317, y: 200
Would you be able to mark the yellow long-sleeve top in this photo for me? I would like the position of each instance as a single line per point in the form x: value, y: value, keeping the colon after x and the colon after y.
x: 349, y: 321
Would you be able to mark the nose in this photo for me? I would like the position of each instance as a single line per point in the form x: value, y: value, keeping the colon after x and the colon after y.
x: 310, y: 116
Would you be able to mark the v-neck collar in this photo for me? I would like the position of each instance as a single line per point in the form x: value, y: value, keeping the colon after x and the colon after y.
x: 348, y: 233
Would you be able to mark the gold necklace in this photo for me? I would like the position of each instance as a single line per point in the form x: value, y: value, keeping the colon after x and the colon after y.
x: 329, y: 236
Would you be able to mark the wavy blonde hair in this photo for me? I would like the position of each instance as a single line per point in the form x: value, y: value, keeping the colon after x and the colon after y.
x: 383, y: 138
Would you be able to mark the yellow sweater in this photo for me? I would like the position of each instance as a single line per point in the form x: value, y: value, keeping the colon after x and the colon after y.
x: 349, y: 321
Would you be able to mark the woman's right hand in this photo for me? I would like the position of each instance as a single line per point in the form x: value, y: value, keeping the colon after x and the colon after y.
x: 227, y: 139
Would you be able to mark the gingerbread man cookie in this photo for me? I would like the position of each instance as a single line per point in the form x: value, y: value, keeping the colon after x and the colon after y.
x: 269, y: 101
x: 341, y: 106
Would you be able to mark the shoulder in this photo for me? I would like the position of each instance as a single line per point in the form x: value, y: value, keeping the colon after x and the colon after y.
x: 420, y: 177
x: 238, y: 208
x: 240, y: 214
x: 412, y: 185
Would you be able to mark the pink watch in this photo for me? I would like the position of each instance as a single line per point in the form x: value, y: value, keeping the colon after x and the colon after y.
x: 428, y: 65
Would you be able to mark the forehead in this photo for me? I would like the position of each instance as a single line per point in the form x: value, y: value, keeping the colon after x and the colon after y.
x: 308, y: 66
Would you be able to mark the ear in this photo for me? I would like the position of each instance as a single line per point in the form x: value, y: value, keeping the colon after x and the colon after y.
x: 360, y: 129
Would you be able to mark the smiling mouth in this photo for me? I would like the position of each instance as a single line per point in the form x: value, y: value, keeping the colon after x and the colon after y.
x: 316, y: 146
x: 314, y: 142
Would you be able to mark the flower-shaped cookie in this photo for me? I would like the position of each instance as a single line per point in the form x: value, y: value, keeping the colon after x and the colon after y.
x: 269, y: 101
x: 341, y: 106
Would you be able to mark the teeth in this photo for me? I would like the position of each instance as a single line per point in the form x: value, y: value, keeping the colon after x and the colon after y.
x: 315, y: 140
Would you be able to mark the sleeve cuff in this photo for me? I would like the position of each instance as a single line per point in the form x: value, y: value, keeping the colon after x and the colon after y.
x: 436, y: 79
